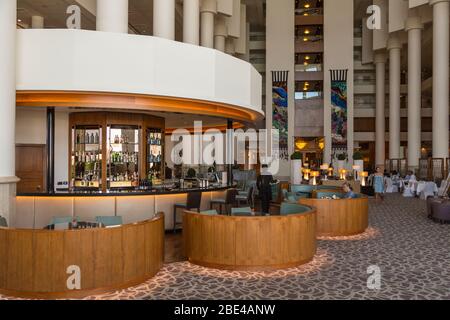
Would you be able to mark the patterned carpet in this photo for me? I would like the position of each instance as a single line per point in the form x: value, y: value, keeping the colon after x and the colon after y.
x: 412, y: 252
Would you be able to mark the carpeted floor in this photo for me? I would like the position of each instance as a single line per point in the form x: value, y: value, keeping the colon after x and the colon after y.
x: 412, y: 252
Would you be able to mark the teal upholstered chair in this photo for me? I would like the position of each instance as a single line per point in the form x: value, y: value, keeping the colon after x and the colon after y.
x: 209, y: 212
x: 293, y: 208
x: 3, y: 222
x: 329, y: 194
x: 109, y: 220
x: 293, y: 197
x: 303, y: 189
x: 60, y: 220
x: 242, y: 212
x: 275, y: 191
x: 328, y: 188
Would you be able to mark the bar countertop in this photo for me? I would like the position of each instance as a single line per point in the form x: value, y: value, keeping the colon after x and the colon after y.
x: 124, y: 193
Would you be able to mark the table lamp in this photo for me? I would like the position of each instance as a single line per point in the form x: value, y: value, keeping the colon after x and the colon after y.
x: 315, y: 174
x: 343, y: 174
x: 364, y: 175
x: 306, y: 173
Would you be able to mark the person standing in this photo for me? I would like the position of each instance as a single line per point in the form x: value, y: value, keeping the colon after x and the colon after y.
x: 264, y: 188
x: 378, y: 184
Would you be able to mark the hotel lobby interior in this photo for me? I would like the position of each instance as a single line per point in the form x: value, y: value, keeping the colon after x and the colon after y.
x: 245, y: 150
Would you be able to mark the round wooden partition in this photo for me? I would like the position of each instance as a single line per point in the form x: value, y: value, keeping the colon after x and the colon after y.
x: 40, y: 263
x: 343, y: 217
x: 249, y: 243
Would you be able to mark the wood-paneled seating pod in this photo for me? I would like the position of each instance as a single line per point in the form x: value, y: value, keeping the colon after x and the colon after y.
x: 33, y: 263
x: 250, y: 243
x: 344, y: 217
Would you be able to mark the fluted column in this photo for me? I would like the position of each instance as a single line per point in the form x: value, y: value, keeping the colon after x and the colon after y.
x: 394, y: 47
x: 37, y: 22
x: 440, y: 77
x: 8, y: 21
x: 191, y: 21
x: 112, y: 16
x: 220, y: 33
x: 414, y: 28
x: 164, y: 19
x: 208, y: 10
x: 380, y: 139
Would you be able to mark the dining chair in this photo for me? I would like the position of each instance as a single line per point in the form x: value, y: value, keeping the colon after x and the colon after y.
x: 193, y: 202
x: 230, y: 200
x: 246, y: 199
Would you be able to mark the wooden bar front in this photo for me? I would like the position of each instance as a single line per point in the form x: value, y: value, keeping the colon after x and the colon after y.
x: 344, y: 217
x: 249, y: 243
x: 34, y: 263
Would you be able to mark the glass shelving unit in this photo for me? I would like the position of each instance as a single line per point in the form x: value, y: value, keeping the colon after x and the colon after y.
x: 155, y: 155
x: 123, y: 156
x: 86, y: 157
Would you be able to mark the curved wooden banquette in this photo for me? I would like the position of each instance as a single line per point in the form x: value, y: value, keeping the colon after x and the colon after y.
x: 339, y: 217
x: 44, y: 263
x: 250, y: 243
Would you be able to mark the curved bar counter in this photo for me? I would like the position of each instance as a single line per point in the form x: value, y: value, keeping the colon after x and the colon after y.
x: 35, y: 210
x: 250, y: 243
x: 36, y: 263
x: 343, y: 217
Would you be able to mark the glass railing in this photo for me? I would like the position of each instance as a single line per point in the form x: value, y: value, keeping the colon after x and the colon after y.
x: 309, y: 12
x: 309, y: 68
x: 318, y: 95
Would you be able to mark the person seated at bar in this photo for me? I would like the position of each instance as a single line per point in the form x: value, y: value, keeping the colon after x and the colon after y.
x: 348, y: 189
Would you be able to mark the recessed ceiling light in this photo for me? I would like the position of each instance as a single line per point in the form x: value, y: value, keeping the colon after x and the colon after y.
x: 19, y: 20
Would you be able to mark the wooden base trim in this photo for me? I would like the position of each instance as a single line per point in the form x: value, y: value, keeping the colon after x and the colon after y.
x: 251, y: 268
x: 75, y: 294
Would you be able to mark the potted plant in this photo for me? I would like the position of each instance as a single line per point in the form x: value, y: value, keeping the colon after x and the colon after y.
x: 296, y: 168
x: 342, y: 158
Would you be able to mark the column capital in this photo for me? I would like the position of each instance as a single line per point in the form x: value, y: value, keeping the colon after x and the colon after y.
x: 9, y: 180
x: 413, y: 23
x: 380, y: 57
x: 433, y: 2
x: 394, y: 42
x: 208, y: 6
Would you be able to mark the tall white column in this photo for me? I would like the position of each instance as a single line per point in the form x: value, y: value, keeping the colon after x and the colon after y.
x: 191, y: 21
x: 164, y: 19
x: 8, y: 180
x: 414, y: 28
x: 112, y: 16
x: 440, y: 77
x: 220, y: 33
x: 37, y: 22
x: 230, y: 47
x: 380, y: 139
x: 394, y: 47
x: 208, y: 10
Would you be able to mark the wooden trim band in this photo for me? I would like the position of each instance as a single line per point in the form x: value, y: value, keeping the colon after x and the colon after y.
x: 136, y: 102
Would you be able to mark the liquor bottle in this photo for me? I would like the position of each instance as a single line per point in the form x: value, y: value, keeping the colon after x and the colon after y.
x: 86, y: 138
x: 78, y: 138
x: 97, y: 138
